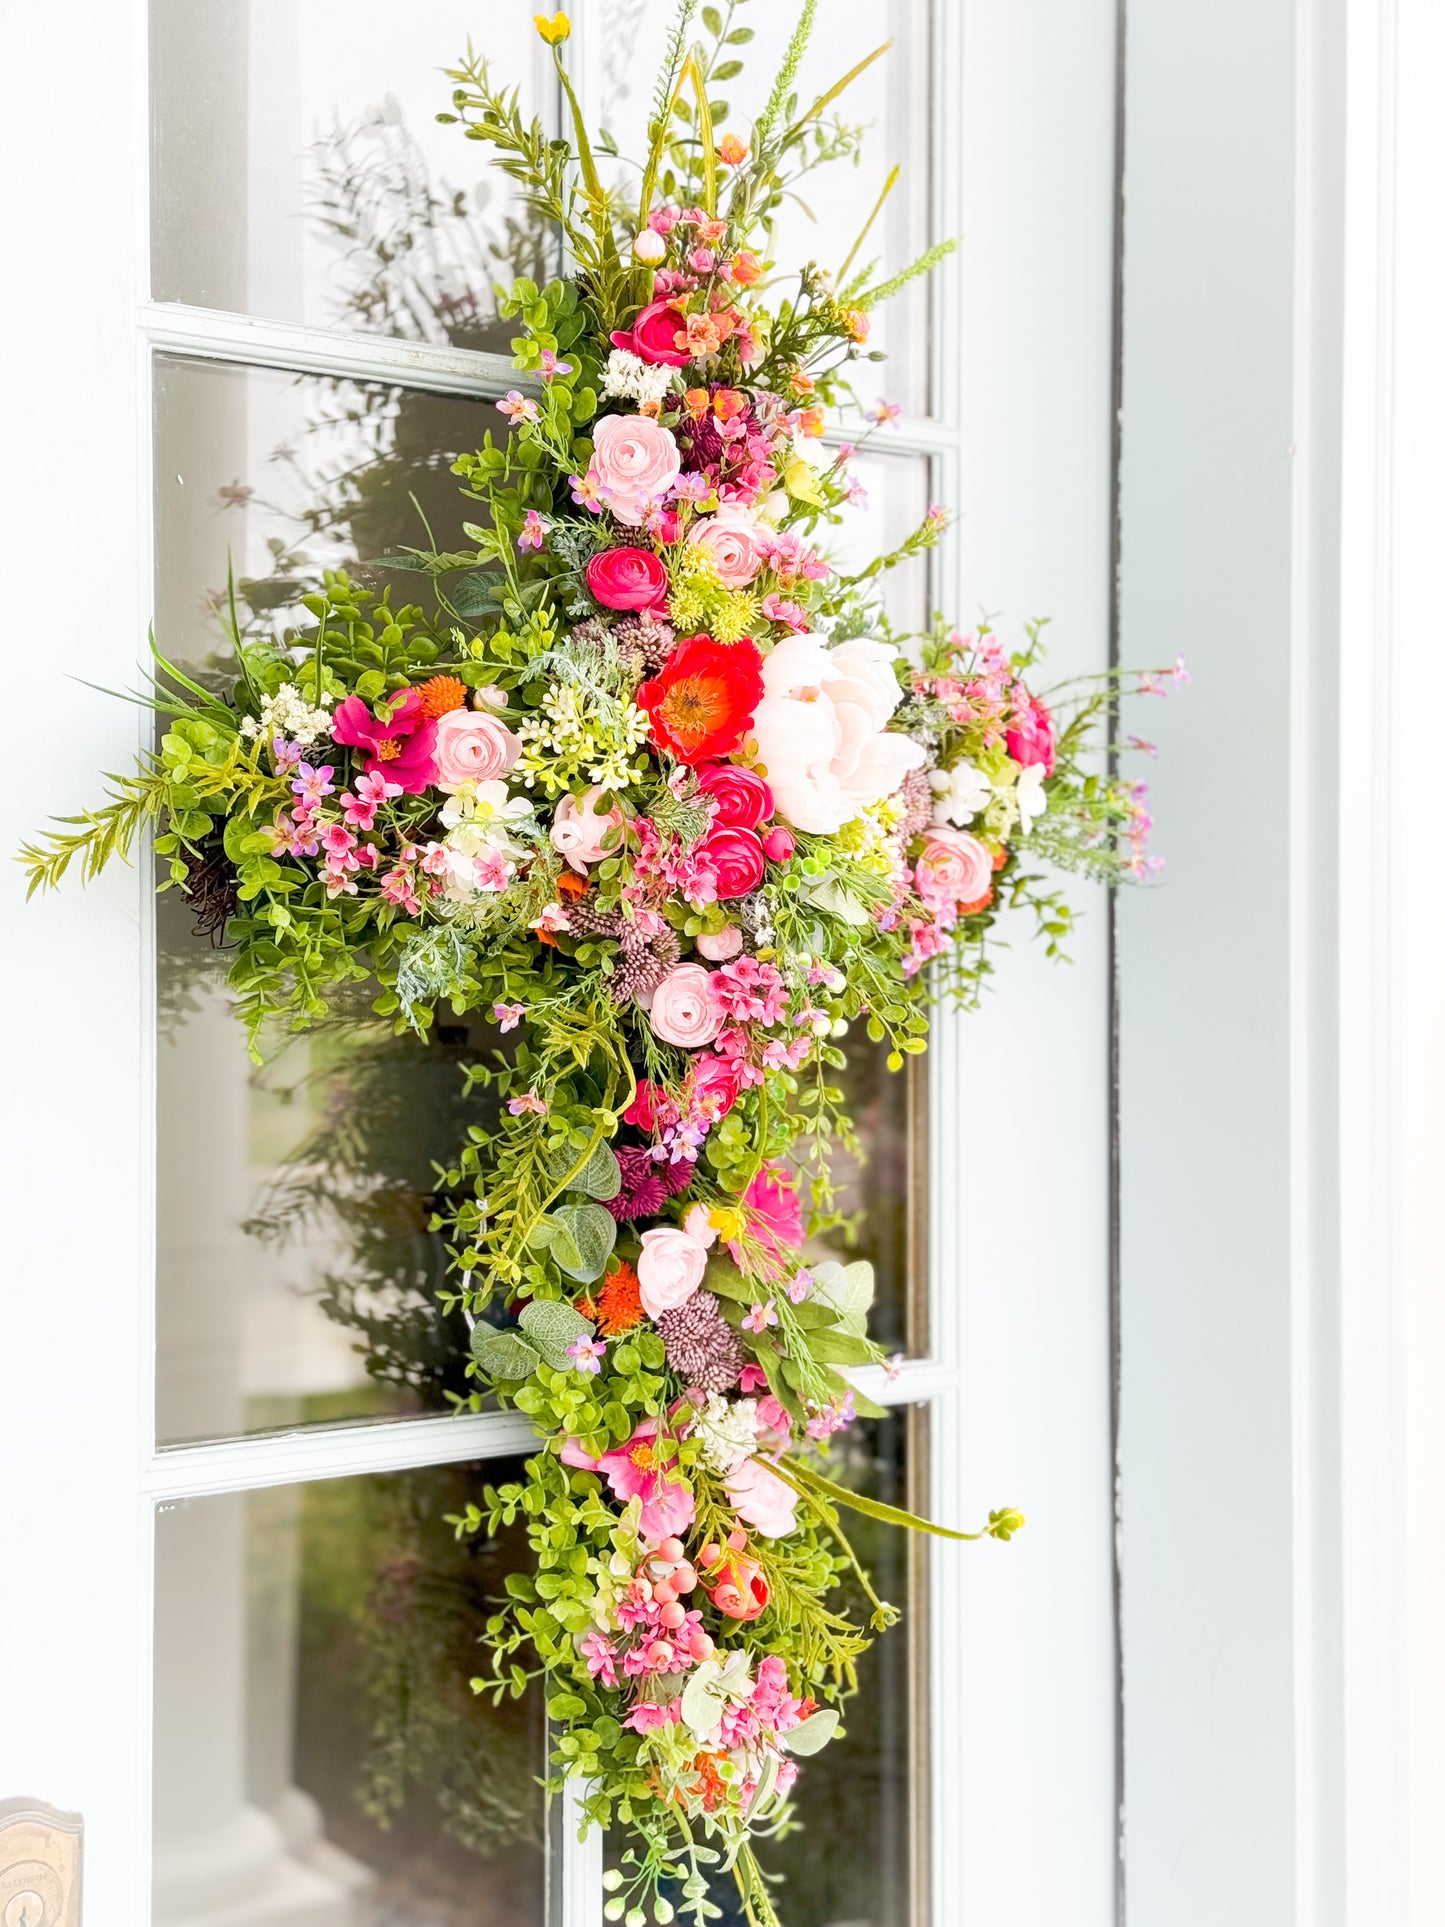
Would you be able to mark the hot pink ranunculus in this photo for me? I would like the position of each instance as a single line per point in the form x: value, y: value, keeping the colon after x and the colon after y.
x: 670, y: 1268
x: 642, y: 1469
x: 743, y: 799
x: 1031, y: 740
x: 762, y: 1499
x: 735, y: 858
x: 732, y: 542
x: 653, y: 336
x: 400, y: 749
x: 954, y: 868
x: 636, y: 460
x: 779, y: 844
x: 627, y: 579
x: 579, y: 833
x: 683, y: 1009
x: 473, y: 746
x: 716, y: 1081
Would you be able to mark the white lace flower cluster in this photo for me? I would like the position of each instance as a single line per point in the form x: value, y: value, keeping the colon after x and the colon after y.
x: 627, y: 377
x: 582, y: 733
x: 287, y: 713
x: 727, y: 1430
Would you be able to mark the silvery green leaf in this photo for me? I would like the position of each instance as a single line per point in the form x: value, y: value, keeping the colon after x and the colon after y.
x: 552, y: 1327
x: 828, y: 895
x: 583, y: 1240
x: 503, y: 1354
x: 601, y: 1176
x: 849, y: 1289
x: 814, y: 1733
x: 702, y: 1705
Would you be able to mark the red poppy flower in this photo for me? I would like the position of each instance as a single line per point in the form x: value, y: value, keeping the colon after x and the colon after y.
x: 701, y: 702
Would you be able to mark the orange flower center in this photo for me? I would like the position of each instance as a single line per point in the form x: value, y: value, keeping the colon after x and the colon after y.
x: 388, y: 749
x: 693, y: 708
x: 643, y: 1456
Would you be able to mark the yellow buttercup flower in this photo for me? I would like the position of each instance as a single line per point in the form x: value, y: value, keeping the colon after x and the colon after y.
x: 727, y: 1224
x: 555, y: 29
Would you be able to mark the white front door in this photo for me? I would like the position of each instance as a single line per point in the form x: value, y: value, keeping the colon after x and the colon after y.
x: 237, y: 1631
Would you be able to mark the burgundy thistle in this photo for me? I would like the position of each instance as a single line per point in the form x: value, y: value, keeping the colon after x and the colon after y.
x: 644, y: 1190
x: 701, y: 1345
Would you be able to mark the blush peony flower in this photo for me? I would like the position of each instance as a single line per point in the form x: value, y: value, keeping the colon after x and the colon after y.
x: 670, y: 1268
x: 627, y: 579
x: 822, y: 730
x: 399, y: 749
x: 702, y: 701
x: 719, y: 945
x: 473, y: 746
x: 579, y: 833
x: 954, y: 868
x: 762, y: 1499
x: 743, y: 799
x: 735, y: 858
x: 636, y: 460
x: 684, y: 1010
x: 654, y: 335
x: 732, y: 542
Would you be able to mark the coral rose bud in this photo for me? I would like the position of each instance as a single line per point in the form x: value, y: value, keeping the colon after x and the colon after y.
x: 739, y: 1589
x: 778, y: 844
x: 649, y: 246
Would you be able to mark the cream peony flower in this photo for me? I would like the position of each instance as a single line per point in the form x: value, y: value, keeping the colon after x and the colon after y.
x: 822, y: 732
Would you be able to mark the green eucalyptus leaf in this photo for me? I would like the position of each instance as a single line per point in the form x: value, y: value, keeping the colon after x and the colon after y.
x: 583, y: 1240
x: 814, y: 1733
x: 503, y: 1354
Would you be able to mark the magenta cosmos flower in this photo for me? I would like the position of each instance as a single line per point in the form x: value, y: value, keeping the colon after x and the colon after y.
x: 642, y: 1469
x: 400, y: 749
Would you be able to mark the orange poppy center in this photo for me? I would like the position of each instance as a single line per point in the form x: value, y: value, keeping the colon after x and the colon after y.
x: 388, y: 749
x: 693, y: 708
x: 643, y: 1457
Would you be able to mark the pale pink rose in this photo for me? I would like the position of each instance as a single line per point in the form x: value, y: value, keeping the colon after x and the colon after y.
x: 719, y: 945
x: 578, y: 832
x: 637, y: 460
x: 822, y: 730
x: 683, y: 1009
x: 954, y: 868
x: 670, y: 1268
x: 763, y: 1500
x: 731, y: 541
x: 698, y: 1224
x: 472, y: 747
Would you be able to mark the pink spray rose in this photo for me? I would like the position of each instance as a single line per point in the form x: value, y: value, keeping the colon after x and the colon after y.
x: 718, y: 945
x: 731, y: 541
x: 735, y: 858
x: 636, y: 460
x: 743, y: 799
x: 716, y: 1082
x: 762, y: 1499
x: 683, y: 1008
x: 579, y: 833
x: 627, y: 579
x: 473, y: 746
x: 954, y: 868
x: 670, y: 1267
x: 653, y: 336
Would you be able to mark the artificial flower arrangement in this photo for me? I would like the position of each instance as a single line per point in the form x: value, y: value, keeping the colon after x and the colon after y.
x: 654, y: 784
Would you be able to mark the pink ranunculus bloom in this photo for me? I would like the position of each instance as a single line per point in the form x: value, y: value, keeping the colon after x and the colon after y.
x: 684, y: 1010
x: 762, y: 1499
x: 732, y: 542
x: 954, y: 869
x: 636, y: 461
x: 743, y: 799
x: 1031, y: 740
x: 579, y: 833
x: 627, y: 579
x: 775, y: 1217
x: 670, y: 1268
x: 734, y: 859
x: 473, y: 746
x: 643, y: 1469
x: 779, y: 844
x: 400, y: 749
x: 719, y: 945
x: 715, y: 1083
x: 654, y: 335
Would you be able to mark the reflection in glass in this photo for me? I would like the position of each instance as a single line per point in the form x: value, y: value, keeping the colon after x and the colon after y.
x: 890, y: 99
x: 319, y: 1755
x: 858, y: 1855
x: 298, y: 170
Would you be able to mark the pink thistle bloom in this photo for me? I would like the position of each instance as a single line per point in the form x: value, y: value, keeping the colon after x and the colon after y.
x: 518, y: 407
x: 509, y: 1016
x: 586, y: 1354
x: 883, y: 411
x: 531, y: 1102
x: 551, y: 367
x: 600, y: 1655
x: 758, y: 1317
x: 646, y: 1470
x: 313, y: 785
x: 534, y: 530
